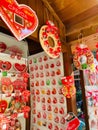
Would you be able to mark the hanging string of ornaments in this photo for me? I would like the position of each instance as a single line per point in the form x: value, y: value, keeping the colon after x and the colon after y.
x: 50, y: 31
x: 68, y: 88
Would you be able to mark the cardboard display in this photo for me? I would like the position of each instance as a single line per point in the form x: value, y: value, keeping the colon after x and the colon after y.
x: 48, y: 105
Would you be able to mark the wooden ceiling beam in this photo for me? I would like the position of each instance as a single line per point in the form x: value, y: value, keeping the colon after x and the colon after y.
x: 81, y: 17
x: 85, y: 32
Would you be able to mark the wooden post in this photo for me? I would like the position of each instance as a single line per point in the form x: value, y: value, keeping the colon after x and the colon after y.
x: 71, y: 103
x: 84, y: 100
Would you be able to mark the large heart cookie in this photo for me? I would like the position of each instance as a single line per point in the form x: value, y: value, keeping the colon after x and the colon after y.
x: 20, y: 19
x: 20, y: 67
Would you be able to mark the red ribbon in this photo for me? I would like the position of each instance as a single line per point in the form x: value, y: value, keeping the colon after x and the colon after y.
x: 52, y: 28
x: 82, y: 49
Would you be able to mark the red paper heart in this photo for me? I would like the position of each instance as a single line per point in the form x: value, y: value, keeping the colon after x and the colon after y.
x: 5, y: 65
x: 3, y: 106
x: 20, y: 67
x: 20, y: 19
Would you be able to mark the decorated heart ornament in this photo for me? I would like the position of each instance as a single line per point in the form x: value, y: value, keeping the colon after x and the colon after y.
x: 3, y: 106
x: 68, y: 91
x: 5, y: 65
x: 20, y: 67
x: 20, y: 19
x: 68, y: 80
x: 7, y: 86
x: 19, y: 85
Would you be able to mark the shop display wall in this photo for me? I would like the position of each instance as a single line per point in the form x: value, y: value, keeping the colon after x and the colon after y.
x: 12, y: 73
x: 48, y: 105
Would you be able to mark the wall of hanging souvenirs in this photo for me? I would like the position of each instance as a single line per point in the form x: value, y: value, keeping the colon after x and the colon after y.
x: 13, y: 83
x: 87, y: 60
x: 48, y: 104
x: 91, y: 90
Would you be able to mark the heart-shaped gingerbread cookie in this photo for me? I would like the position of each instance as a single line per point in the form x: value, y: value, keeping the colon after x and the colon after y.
x: 20, y: 19
x: 20, y: 67
x: 5, y: 65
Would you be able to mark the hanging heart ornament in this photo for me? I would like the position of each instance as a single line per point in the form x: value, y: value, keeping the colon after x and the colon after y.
x: 20, y: 19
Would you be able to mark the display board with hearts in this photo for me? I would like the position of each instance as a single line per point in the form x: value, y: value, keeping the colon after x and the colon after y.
x: 48, y: 104
x: 13, y: 91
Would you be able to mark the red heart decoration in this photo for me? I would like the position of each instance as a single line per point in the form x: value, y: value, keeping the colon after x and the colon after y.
x: 3, y: 106
x: 20, y: 67
x: 20, y: 19
x: 68, y: 80
x: 2, y: 46
x: 5, y: 65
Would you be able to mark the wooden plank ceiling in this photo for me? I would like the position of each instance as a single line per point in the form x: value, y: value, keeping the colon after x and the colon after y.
x: 69, y: 15
x: 76, y: 14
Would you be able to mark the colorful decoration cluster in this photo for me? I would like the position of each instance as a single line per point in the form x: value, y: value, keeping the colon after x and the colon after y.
x: 14, y: 93
x: 68, y: 89
x: 51, y: 47
x: 18, y: 94
x: 83, y: 57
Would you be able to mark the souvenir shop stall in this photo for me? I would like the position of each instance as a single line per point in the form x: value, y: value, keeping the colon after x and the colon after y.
x: 37, y: 92
x: 85, y: 59
x: 47, y: 90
